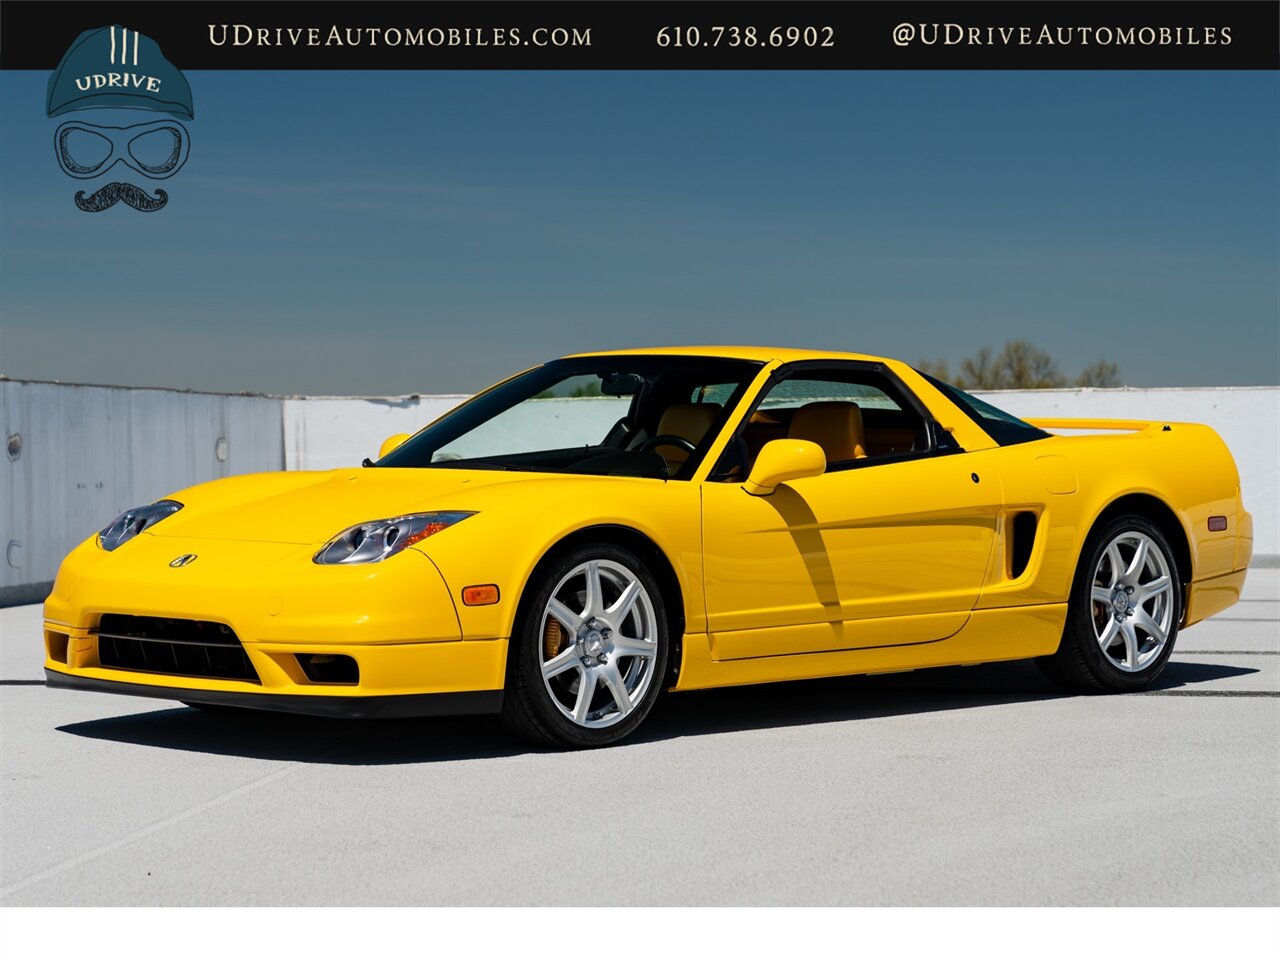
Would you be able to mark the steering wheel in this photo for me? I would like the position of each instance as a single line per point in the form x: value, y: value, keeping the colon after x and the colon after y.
x: 667, y: 439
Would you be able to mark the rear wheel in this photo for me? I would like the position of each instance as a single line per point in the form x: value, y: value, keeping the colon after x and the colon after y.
x: 589, y: 651
x: 1123, y: 616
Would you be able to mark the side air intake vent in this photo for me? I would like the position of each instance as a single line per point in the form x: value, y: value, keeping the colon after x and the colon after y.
x: 1021, y: 540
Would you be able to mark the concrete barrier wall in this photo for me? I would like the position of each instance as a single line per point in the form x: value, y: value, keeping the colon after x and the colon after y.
x: 323, y: 433
x: 86, y: 453
x: 76, y: 456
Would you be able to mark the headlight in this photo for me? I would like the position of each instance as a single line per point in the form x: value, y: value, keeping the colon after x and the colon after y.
x: 379, y: 539
x: 132, y: 522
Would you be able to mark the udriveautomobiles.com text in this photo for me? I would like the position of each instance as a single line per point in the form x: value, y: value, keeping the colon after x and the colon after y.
x: 244, y: 35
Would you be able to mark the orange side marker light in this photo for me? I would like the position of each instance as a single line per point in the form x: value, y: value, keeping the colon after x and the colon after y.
x: 480, y: 595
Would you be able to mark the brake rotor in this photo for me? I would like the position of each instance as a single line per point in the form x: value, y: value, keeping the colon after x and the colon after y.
x: 552, y: 638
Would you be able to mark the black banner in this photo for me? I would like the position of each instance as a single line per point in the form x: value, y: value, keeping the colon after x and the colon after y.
x: 759, y: 35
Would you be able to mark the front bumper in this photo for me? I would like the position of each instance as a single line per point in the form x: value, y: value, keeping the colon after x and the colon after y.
x: 386, y: 672
x: 375, y: 707
x: 396, y: 619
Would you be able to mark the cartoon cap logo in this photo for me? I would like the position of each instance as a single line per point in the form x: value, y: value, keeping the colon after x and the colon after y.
x: 117, y: 68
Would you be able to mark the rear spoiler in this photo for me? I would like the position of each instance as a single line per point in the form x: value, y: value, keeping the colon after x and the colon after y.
x: 1066, y: 423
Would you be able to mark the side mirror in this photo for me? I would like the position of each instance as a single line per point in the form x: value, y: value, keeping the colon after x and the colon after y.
x: 783, y: 460
x: 391, y: 443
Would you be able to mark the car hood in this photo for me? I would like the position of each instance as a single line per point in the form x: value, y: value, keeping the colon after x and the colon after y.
x: 312, y: 507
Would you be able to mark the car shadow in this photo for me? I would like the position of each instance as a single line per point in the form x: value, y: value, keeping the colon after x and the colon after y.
x: 274, y: 736
x: 874, y: 697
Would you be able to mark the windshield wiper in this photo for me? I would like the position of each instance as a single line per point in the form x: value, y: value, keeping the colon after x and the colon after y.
x: 487, y: 465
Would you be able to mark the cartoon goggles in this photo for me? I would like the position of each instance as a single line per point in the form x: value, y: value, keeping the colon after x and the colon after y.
x: 156, y: 150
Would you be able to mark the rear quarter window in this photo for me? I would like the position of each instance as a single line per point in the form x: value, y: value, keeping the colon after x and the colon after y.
x: 1001, y: 426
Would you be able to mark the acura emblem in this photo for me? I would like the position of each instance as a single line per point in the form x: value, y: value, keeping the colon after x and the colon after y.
x: 183, y: 560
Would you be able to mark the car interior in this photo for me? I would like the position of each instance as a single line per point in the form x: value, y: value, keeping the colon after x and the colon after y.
x: 685, y: 421
x: 673, y: 408
x: 881, y: 425
x: 660, y: 413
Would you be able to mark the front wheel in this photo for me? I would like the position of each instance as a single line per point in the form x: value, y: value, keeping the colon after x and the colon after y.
x: 1123, y: 616
x: 589, y: 650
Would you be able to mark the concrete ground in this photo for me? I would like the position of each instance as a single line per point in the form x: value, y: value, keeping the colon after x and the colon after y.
x: 979, y: 785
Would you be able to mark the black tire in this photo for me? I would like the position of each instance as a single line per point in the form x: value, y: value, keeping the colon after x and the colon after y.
x: 528, y: 709
x: 1080, y: 663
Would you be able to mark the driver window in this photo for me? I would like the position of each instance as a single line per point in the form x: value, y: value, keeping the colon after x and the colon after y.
x: 856, y: 416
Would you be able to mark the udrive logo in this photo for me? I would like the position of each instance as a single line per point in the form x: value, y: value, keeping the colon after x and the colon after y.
x: 105, y: 71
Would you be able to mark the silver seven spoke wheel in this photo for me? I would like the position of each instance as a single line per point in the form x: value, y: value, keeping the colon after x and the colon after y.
x: 1124, y: 608
x: 1132, y: 601
x: 599, y: 643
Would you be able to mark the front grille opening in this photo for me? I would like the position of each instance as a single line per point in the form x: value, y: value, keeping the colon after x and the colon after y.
x: 185, y: 648
x: 1023, y: 539
x: 329, y: 667
x: 56, y: 646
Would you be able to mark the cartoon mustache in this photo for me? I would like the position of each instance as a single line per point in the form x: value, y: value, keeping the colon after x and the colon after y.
x: 113, y: 193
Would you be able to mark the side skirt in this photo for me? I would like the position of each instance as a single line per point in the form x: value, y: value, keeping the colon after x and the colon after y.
x: 1008, y: 633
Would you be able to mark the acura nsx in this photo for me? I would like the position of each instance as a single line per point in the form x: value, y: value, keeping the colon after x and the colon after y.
x: 581, y: 538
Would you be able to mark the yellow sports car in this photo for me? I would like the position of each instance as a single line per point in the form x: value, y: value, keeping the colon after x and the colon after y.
x: 572, y: 542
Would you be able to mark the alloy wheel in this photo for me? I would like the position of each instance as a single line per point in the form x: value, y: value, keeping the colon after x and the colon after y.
x: 1132, y: 602
x: 599, y: 643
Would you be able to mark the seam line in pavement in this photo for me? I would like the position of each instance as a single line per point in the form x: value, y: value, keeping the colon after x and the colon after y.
x: 1208, y: 693
x: 1233, y: 653
x: 1239, y: 620
x: 146, y: 831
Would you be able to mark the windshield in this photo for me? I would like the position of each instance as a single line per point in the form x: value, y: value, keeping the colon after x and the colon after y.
x: 637, y: 416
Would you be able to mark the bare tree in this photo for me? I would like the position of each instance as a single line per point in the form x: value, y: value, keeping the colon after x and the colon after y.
x: 940, y: 369
x: 1020, y: 365
x: 1023, y: 365
x: 1100, y: 373
x: 979, y: 372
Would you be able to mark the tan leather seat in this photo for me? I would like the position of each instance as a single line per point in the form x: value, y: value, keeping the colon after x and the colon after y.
x: 890, y: 440
x: 834, y: 425
x: 688, y: 420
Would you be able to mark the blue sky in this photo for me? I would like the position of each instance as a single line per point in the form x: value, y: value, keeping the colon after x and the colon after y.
x: 396, y: 232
